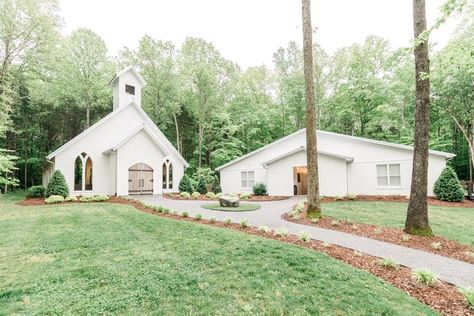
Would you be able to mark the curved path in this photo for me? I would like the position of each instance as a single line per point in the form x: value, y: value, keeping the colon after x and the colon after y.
x: 450, y: 270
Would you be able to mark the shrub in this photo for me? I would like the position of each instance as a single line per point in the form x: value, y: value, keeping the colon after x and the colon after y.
x: 436, y: 245
x: 71, y: 198
x: 157, y: 208
x: 335, y: 223
x: 388, y: 263
x: 447, y: 187
x: 314, y: 220
x: 218, y: 195
x: 469, y: 254
x: 264, y: 229
x: 201, y: 186
x: 339, y: 198
x: 260, y: 189
x: 244, y: 196
x: 424, y: 276
x: 468, y: 293
x: 212, y: 220
x: 378, y: 231
x: 185, y: 214
x: 210, y: 195
x: 304, y: 237
x: 97, y: 198
x: 196, y: 195
x: 281, y: 232
x: 184, y: 195
x: 216, y: 187
x: 405, y: 238
x: 244, y: 223
x: 57, y: 185
x: 53, y: 199
x: 36, y: 191
x: 355, y: 227
x: 228, y: 221
x: 198, y: 217
x: 165, y: 210
x: 185, y: 185
x: 351, y: 197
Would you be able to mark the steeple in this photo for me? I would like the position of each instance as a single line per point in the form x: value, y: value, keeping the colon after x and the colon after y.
x: 127, y: 87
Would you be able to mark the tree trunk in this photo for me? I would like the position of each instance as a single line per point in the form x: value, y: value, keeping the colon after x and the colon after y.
x: 417, y: 214
x: 177, y: 132
x: 88, y: 116
x: 200, y: 145
x: 314, y: 203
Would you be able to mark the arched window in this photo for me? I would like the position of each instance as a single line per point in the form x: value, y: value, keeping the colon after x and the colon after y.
x: 88, y: 174
x: 170, y: 176
x: 163, y: 172
x: 83, y: 172
x: 78, y: 174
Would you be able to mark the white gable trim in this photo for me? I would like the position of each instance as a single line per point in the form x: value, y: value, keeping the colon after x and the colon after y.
x: 126, y: 138
x: 302, y: 148
x: 127, y: 69
x: 367, y: 140
x: 152, y: 128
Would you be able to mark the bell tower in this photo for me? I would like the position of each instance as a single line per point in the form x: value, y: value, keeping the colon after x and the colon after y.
x: 127, y: 87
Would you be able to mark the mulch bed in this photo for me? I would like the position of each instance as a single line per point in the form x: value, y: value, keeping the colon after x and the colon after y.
x: 449, y: 248
x: 397, y: 198
x: 253, y: 198
x: 443, y: 297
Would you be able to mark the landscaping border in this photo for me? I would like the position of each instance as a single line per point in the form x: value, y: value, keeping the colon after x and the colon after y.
x: 435, y: 244
x: 252, y: 198
x: 395, y: 198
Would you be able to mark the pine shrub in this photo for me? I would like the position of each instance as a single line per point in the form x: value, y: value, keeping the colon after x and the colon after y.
x: 260, y: 189
x: 57, y: 185
x: 185, y: 185
x: 201, y: 186
x: 447, y: 187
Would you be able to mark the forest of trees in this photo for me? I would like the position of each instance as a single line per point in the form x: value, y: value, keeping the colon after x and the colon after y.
x: 52, y: 87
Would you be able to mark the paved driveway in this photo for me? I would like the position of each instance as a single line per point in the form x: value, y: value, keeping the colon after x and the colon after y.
x: 453, y: 271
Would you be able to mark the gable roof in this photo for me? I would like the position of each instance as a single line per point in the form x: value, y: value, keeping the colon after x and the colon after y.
x: 366, y: 140
x: 125, y: 70
x: 135, y: 131
x: 151, y: 128
x: 302, y: 148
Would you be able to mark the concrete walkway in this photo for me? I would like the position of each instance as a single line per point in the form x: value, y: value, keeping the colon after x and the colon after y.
x: 450, y: 270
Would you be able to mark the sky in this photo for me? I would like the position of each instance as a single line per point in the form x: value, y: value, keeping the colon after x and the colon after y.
x: 248, y: 31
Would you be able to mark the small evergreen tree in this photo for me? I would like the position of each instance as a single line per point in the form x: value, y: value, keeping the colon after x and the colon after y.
x: 201, y: 186
x: 447, y: 187
x: 216, y: 187
x: 260, y: 189
x: 57, y: 185
x: 185, y: 185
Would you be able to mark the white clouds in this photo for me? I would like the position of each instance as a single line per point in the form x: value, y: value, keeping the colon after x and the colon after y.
x: 246, y: 31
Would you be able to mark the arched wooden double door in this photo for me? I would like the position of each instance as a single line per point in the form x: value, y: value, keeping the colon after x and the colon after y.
x: 140, y: 179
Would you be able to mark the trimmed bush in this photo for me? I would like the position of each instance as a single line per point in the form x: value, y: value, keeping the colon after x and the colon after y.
x: 57, y: 185
x: 260, y: 189
x: 196, y: 195
x: 95, y: 198
x: 216, y: 188
x: 447, y: 187
x: 244, y: 196
x: 201, y: 186
x: 185, y: 185
x: 36, y: 191
x: 184, y: 195
x: 53, y: 199
x: 71, y: 198
x: 210, y: 195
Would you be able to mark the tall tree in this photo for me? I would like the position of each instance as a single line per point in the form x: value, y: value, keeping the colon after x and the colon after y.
x: 314, y: 203
x: 417, y: 214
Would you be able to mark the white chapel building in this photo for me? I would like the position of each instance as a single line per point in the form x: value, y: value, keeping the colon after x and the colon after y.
x: 124, y: 153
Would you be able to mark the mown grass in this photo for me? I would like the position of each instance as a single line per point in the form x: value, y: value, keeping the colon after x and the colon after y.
x: 454, y: 223
x: 112, y: 259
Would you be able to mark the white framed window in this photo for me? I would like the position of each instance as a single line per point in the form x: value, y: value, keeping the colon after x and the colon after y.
x: 388, y: 176
x: 247, y: 179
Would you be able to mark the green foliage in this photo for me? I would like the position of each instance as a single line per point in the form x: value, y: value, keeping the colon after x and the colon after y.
x: 196, y: 195
x: 424, y: 276
x: 388, y: 263
x: 216, y: 187
x: 281, y: 232
x: 468, y: 294
x: 201, y: 186
x: 241, y: 208
x: 36, y: 191
x: 244, y: 196
x: 185, y: 185
x: 70, y: 198
x: 260, y: 189
x: 7, y: 167
x: 53, y: 199
x: 447, y: 186
x: 184, y: 195
x: 244, y: 223
x: 57, y: 185
x: 210, y: 195
x: 95, y: 198
x: 212, y: 220
x: 185, y: 214
x: 198, y: 217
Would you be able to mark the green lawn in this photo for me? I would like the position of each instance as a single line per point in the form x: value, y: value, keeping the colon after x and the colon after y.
x: 452, y: 223
x: 113, y: 259
x: 241, y: 208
